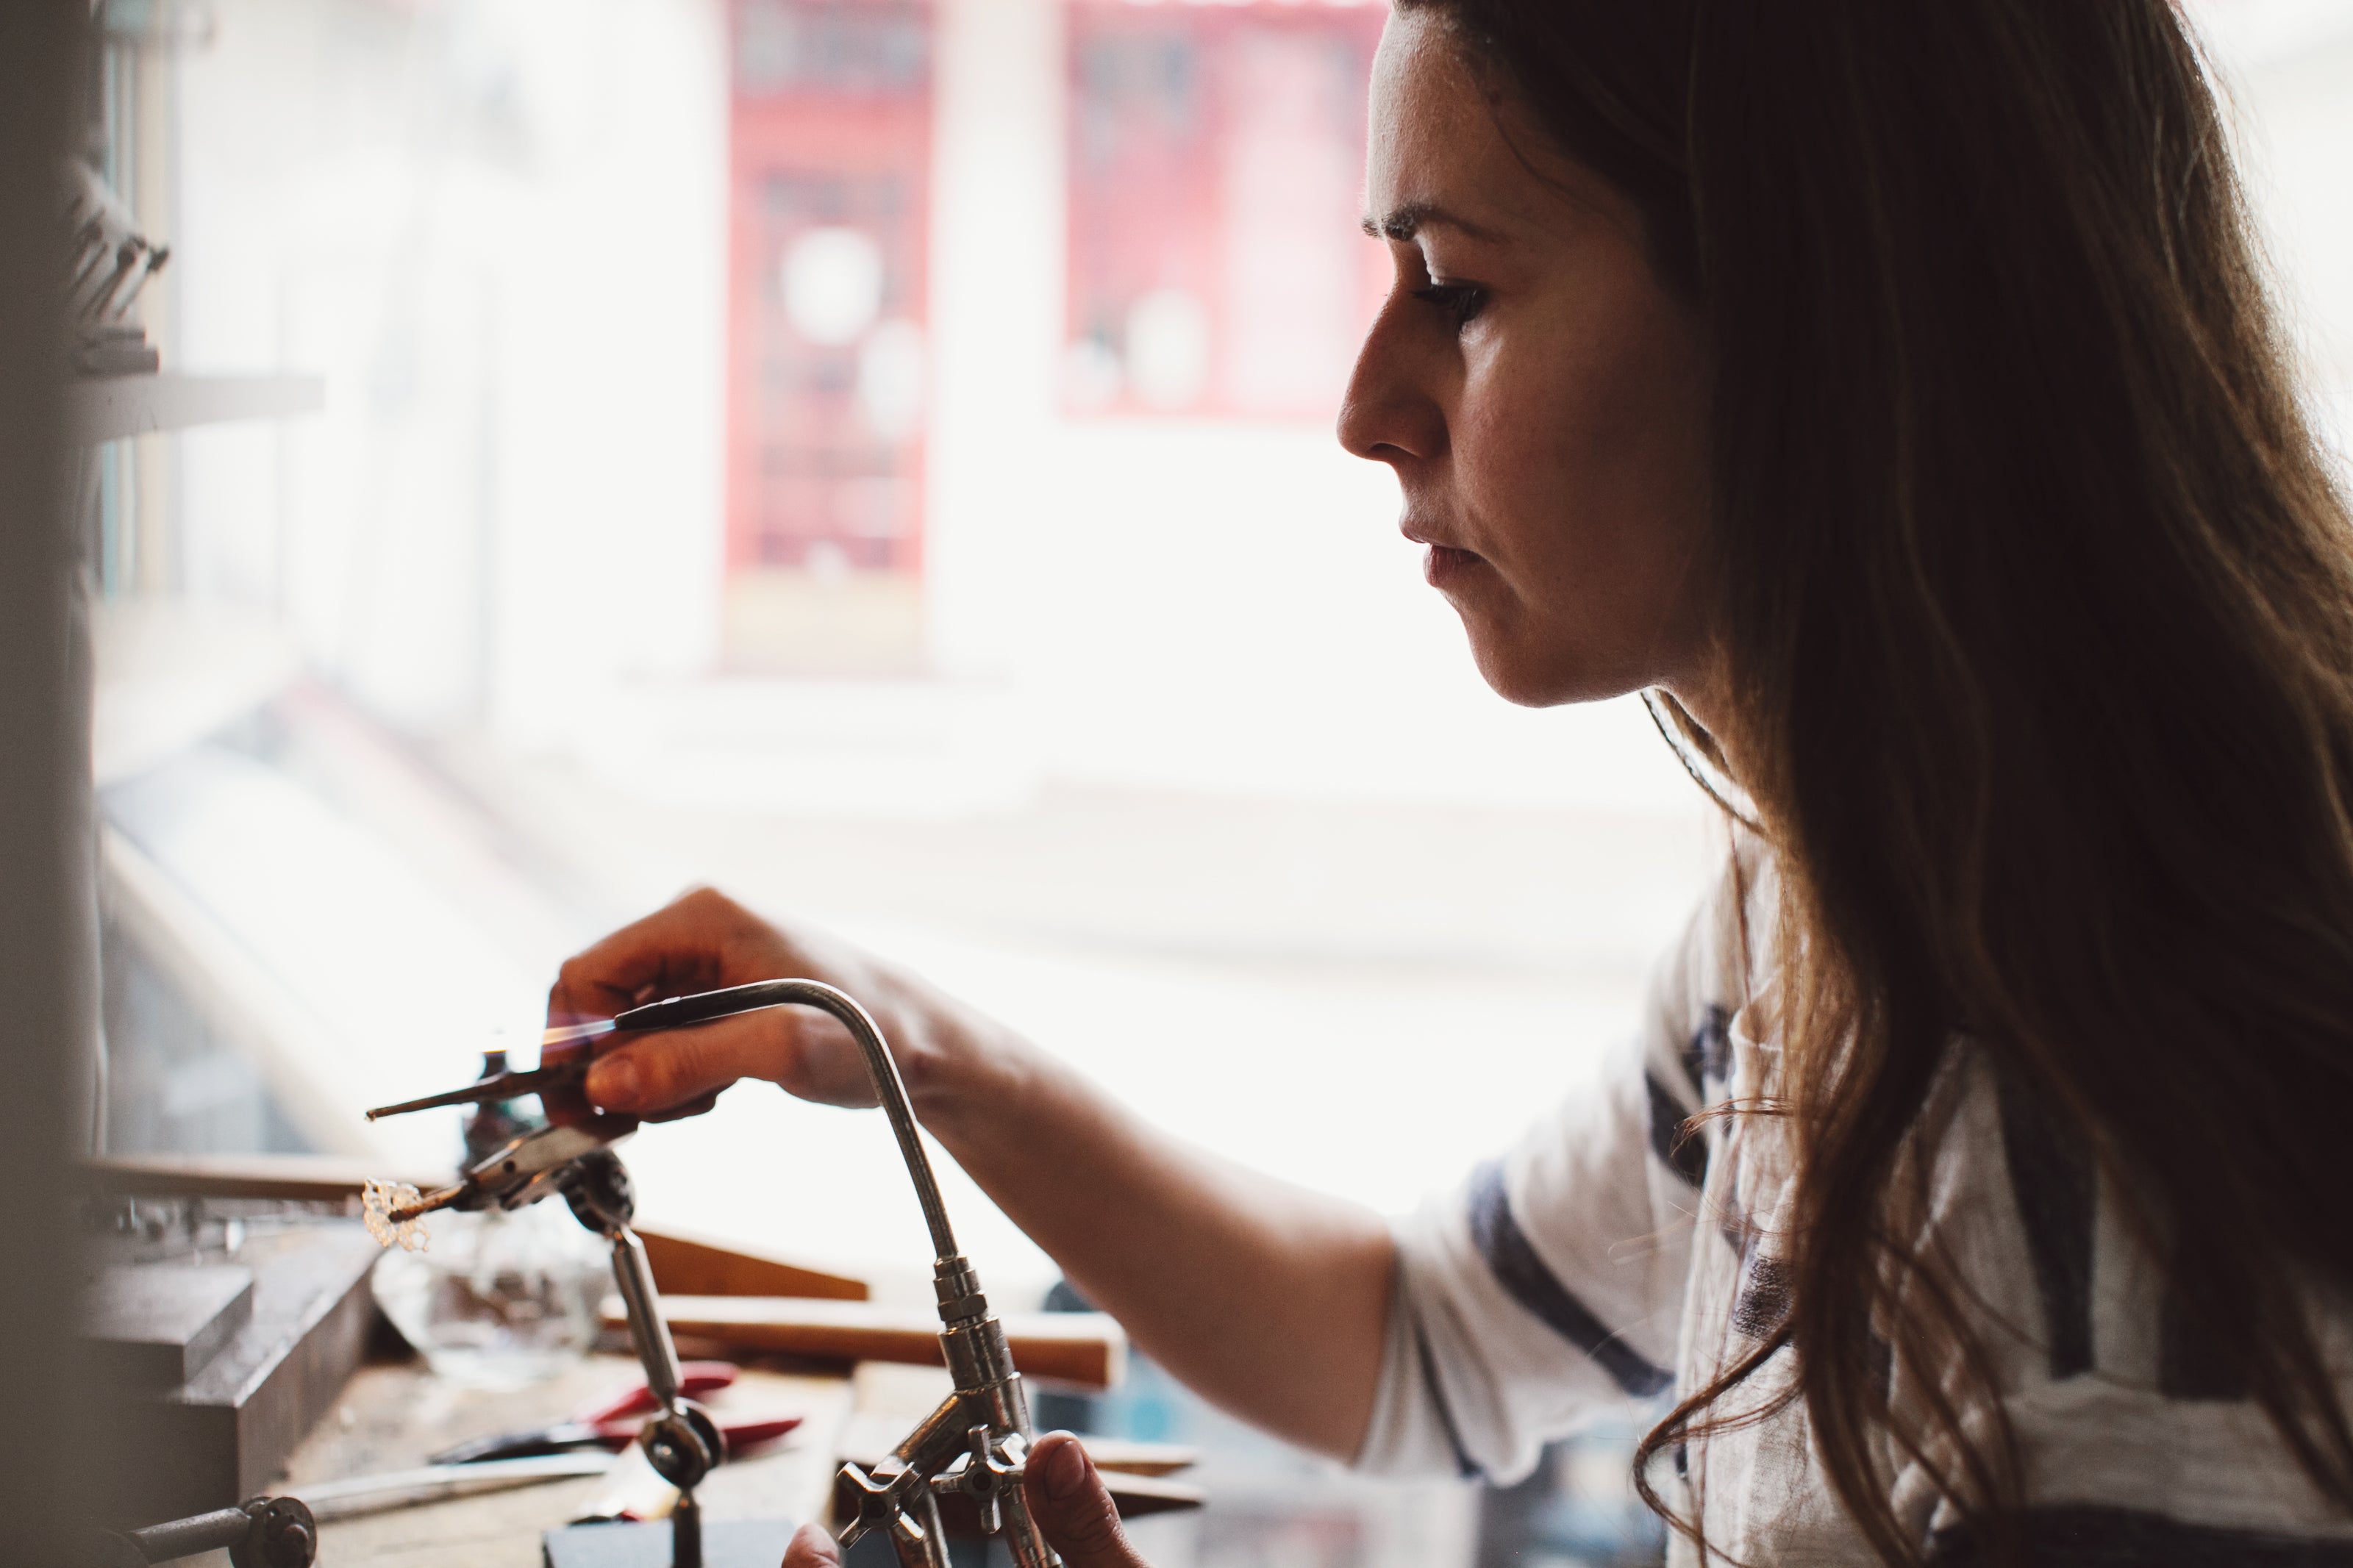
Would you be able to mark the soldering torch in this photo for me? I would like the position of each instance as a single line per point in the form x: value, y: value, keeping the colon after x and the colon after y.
x: 976, y: 1443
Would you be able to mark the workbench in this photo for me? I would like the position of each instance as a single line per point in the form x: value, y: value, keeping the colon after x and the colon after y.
x: 859, y: 1375
x: 392, y: 1415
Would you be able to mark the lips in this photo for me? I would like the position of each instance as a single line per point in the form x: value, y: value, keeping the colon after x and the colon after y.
x: 1444, y: 565
x: 1444, y: 562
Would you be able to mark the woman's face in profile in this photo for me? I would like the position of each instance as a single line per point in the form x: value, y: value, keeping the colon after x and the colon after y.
x: 1539, y: 392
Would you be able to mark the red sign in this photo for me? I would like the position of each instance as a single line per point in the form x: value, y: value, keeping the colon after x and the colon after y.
x: 1216, y: 171
x: 829, y: 211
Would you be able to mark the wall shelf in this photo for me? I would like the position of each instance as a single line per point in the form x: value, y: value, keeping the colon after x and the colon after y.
x: 109, y: 408
x: 170, y: 673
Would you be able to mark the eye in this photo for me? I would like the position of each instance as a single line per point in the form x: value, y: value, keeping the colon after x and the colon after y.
x: 1462, y: 302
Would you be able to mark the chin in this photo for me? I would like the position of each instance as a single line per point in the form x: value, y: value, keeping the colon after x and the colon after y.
x: 1527, y: 679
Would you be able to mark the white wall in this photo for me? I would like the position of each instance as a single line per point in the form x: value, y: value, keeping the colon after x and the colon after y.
x: 1177, y: 603
x: 1229, y: 607
x: 497, y: 226
x: 2288, y: 69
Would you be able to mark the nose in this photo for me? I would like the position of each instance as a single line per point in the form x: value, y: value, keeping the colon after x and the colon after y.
x: 1390, y: 414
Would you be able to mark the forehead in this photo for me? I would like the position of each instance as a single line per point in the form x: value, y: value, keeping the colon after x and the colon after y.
x: 1420, y: 79
x: 1440, y: 138
x: 1428, y: 113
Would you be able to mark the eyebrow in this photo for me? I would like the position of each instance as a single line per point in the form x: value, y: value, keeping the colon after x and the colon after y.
x: 1403, y: 223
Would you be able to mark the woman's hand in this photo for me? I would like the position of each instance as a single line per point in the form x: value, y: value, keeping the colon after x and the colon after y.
x: 1272, y: 1300
x: 705, y: 941
x: 1066, y: 1497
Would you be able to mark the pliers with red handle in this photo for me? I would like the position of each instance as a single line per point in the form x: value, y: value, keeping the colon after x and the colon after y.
x: 613, y: 1424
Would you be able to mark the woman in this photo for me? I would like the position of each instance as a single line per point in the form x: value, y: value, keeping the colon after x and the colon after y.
x: 1888, y: 390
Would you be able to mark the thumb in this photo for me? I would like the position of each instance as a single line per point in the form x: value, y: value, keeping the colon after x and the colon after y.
x: 812, y: 1548
x: 1073, y: 1508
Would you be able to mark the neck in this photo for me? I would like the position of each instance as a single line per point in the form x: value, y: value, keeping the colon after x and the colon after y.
x: 1706, y: 696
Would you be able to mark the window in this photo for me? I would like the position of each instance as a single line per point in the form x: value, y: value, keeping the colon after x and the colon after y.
x: 1215, y: 265
x: 831, y: 166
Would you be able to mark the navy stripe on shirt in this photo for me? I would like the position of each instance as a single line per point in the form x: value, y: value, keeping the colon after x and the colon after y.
x: 1709, y: 1052
x: 2094, y: 1537
x: 2052, y: 1179
x: 1764, y: 1300
x: 1437, y: 1391
x: 1678, y: 1146
x: 1524, y: 1276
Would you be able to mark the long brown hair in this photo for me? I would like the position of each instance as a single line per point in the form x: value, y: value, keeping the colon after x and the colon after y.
x: 2037, y: 616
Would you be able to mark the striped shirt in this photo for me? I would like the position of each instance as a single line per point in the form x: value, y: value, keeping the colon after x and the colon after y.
x: 1606, y: 1260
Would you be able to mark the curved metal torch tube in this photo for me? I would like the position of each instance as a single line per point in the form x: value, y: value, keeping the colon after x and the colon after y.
x: 880, y: 1067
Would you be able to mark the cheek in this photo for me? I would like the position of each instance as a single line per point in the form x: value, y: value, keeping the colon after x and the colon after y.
x: 1587, y: 474
x: 1579, y: 457
x: 1508, y: 435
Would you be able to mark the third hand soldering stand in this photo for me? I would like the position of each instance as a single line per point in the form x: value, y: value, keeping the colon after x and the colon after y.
x: 976, y: 1443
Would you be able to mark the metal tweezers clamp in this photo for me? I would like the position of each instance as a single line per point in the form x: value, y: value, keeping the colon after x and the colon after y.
x: 677, y: 1013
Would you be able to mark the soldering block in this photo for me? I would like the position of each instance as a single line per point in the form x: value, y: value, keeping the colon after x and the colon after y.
x: 726, y: 1543
x: 156, y: 1325
x: 222, y: 1435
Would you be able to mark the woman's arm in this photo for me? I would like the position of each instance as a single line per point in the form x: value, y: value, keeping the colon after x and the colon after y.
x: 1270, y: 1301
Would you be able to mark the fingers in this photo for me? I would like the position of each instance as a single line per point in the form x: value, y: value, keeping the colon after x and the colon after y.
x: 677, y: 1071
x: 664, y: 1071
x: 699, y: 942
x: 812, y: 1548
x: 694, y: 1107
x: 1068, y: 1500
x: 1066, y: 1497
x: 681, y: 947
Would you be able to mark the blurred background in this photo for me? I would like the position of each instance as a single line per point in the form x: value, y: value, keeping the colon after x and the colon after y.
x: 875, y: 458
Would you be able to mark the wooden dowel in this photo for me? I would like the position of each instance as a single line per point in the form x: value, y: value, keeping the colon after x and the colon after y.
x: 1086, y: 1350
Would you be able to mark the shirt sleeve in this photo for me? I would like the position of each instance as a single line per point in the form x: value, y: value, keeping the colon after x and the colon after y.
x: 1549, y: 1284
